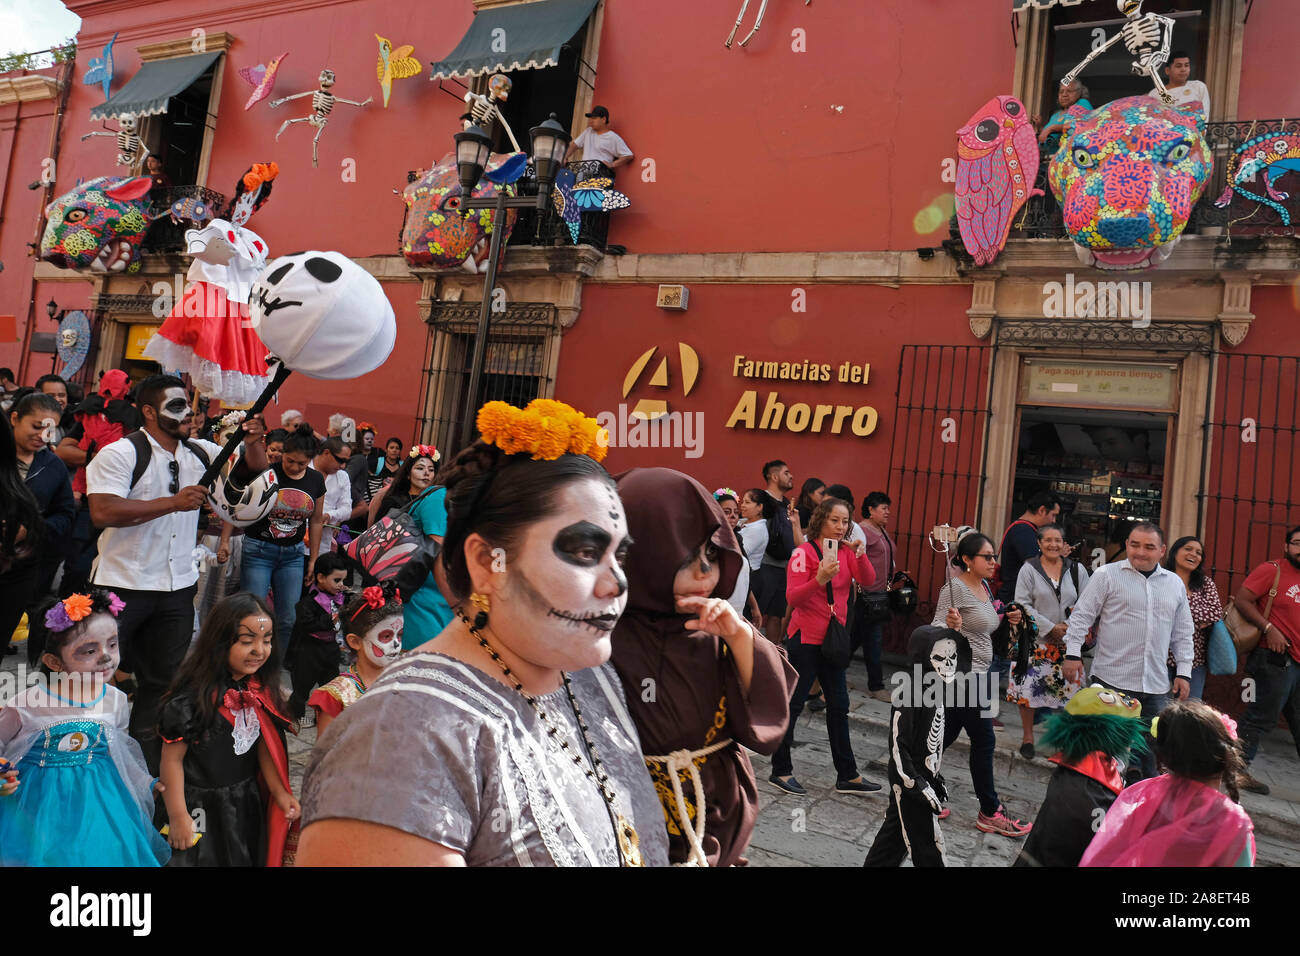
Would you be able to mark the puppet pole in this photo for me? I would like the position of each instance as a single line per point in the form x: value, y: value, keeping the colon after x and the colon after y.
x: 282, y: 372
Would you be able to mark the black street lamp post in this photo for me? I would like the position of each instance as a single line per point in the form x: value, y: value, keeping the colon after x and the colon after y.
x: 473, y: 146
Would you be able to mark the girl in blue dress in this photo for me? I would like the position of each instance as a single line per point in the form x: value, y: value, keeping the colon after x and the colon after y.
x: 78, y: 793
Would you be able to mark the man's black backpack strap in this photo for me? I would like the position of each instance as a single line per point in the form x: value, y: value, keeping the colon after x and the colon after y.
x: 144, y: 454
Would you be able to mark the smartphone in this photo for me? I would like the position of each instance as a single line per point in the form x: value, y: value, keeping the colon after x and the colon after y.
x: 944, y: 534
x: 830, y: 548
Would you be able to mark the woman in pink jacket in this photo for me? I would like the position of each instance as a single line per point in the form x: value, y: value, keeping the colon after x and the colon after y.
x: 813, y: 565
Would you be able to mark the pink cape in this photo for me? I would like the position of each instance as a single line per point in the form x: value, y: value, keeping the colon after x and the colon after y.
x: 1171, y: 821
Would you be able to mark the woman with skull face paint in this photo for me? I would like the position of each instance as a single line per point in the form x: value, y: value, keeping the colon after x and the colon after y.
x: 701, y: 682
x: 372, y: 623
x: 504, y: 740
x: 83, y: 794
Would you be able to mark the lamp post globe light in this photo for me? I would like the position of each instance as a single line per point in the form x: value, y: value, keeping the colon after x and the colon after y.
x: 473, y: 148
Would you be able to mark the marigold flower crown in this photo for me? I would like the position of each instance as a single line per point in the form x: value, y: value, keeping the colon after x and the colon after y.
x: 545, y: 429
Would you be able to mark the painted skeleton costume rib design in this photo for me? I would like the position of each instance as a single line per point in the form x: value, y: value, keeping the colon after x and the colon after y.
x: 916, y: 732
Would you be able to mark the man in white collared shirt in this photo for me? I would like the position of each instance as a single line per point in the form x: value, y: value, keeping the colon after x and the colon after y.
x: 1141, y: 612
x: 146, y: 553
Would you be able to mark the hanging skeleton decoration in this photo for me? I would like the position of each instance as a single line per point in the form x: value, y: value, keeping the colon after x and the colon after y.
x: 486, y: 110
x: 322, y: 101
x: 131, y: 150
x: 1146, y: 36
x: 758, y: 21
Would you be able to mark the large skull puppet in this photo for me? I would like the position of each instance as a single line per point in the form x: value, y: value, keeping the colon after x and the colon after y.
x: 323, y: 315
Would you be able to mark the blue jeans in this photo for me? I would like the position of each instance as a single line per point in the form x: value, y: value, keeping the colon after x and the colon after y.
x: 1198, y: 683
x: 277, y: 568
x: 1277, y: 694
x: 1144, y: 765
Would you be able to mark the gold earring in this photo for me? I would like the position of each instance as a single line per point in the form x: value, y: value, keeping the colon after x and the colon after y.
x: 484, y: 605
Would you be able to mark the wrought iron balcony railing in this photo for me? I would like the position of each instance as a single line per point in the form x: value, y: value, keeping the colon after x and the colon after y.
x: 1040, y: 218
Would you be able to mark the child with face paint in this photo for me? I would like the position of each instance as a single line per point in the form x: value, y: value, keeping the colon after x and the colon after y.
x: 372, y: 623
x: 313, y: 655
x: 222, y: 725
x: 701, y: 682
x: 77, y: 770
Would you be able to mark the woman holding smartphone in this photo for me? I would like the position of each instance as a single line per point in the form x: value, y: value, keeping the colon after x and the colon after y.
x: 966, y: 604
x: 823, y: 559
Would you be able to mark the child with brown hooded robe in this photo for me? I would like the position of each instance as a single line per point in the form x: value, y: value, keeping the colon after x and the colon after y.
x: 701, y: 682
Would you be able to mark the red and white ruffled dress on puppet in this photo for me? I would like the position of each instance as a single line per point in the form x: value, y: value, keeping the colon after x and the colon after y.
x: 208, y: 333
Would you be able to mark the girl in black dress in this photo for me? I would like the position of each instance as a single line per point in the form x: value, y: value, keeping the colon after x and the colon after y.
x: 222, y: 725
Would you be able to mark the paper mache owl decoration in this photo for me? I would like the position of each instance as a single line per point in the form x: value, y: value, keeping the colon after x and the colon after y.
x: 997, y: 161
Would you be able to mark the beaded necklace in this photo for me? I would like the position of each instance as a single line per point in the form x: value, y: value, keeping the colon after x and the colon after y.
x: 626, y: 839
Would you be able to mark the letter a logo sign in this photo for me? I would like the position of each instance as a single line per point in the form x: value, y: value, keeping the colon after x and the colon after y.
x: 651, y: 408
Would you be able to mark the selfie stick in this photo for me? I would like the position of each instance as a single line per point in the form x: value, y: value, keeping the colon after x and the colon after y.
x: 945, y: 534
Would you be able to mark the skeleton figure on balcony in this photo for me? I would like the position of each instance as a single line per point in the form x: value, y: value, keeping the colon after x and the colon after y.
x: 322, y: 101
x: 486, y: 110
x: 1146, y: 36
x: 131, y: 149
x: 758, y: 21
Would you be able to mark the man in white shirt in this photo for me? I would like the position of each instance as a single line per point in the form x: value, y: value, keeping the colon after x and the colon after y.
x: 332, y: 462
x: 600, y: 143
x: 146, y: 553
x: 1184, y: 90
x: 1141, y: 612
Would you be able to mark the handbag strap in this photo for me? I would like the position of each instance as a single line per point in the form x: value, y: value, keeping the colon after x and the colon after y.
x: 1277, y: 581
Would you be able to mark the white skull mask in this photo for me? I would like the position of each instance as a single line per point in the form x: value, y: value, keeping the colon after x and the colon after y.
x: 68, y: 338
x: 323, y: 315
x: 943, y: 658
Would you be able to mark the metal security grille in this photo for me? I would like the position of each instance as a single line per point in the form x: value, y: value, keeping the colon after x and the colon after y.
x: 939, y: 437
x: 1249, y: 495
x: 519, y: 364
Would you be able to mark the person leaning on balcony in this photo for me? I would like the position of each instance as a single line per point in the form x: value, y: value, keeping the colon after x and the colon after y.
x: 1184, y: 90
x: 1275, y: 664
x: 1076, y: 94
x: 599, y: 143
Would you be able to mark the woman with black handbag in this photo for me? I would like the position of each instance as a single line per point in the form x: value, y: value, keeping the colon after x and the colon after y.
x: 819, y: 579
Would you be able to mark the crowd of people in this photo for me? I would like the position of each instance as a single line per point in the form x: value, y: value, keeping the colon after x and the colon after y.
x: 592, y: 658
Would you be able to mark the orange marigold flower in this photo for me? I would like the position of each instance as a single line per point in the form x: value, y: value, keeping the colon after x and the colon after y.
x: 78, y: 606
x: 554, y: 440
x: 600, y: 449
x: 494, y: 420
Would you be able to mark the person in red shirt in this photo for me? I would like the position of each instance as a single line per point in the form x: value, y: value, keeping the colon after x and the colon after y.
x: 812, y: 566
x: 1275, y: 664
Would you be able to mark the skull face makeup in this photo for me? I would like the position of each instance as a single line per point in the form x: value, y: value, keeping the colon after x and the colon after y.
x: 174, y: 413
x: 383, y: 642
x: 943, y: 658
x: 564, y: 590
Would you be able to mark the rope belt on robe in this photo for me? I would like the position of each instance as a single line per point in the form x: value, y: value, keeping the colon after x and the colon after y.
x: 676, y: 762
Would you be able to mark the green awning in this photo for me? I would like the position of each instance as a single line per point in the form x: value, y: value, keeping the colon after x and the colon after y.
x: 526, y: 36
x: 147, y: 93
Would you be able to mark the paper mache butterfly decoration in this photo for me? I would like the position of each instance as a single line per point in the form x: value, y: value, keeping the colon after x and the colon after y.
x: 572, y: 198
x: 101, y: 69
x: 261, y: 78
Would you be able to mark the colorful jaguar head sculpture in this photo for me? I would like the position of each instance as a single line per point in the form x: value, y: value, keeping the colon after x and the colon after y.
x: 99, y: 225
x: 1127, y: 176
x: 436, y: 234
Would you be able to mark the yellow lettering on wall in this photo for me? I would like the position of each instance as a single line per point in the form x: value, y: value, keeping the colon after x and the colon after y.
x: 744, y: 410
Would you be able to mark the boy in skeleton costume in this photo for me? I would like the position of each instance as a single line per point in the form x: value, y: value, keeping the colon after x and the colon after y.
x: 916, y: 725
